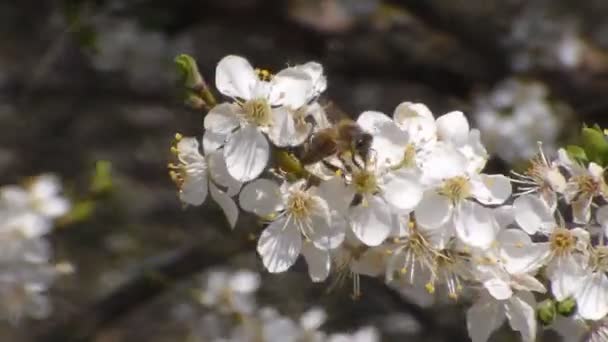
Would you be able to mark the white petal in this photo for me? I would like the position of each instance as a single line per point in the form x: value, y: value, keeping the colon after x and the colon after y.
x: 235, y: 77
x: 505, y: 216
x: 337, y: 194
x: 226, y: 203
x: 54, y: 207
x: 371, y: 223
x: 417, y: 120
x: 45, y: 186
x: 246, y: 154
x: 402, y: 190
x: 592, y: 297
x: 602, y: 218
x: 219, y: 174
x: 194, y: 189
x: 319, y: 262
x: 532, y: 214
x: 521, y: 313
x: 498, y: 288
x: 433, y: 210
x: 212, y: 142
x: 389, y: 141
x: 285, y: 131
x: 565, y: 275
x: 313, y: 319
x: 475, y: 225
x: 222, y: 119
x: 443, y: 162
x: 518, y: 252
x: 453, y: 127
x: 483, y: 318
x: 315, y: 72
x: 279, y: 245
x: 408, y: 110
x: 491, y: 189
x: 581, y: 209
x: 244, y: 281
x: 261, y: 197
x: 291, y: 88
x: 326, y: 234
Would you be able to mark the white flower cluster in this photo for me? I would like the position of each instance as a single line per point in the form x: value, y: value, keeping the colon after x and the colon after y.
x: 26, y: 271
x: 233, y: 315
x: 514, y: 117
x: 401, y: 197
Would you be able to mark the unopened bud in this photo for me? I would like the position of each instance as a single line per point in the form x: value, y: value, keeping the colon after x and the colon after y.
x: 566, y: 307
x: 546, y: 312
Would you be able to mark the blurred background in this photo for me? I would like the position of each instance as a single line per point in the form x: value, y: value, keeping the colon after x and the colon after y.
x: 87, y: 81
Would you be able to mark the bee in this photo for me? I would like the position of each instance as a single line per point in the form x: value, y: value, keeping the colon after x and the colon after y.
x: 345, y: 137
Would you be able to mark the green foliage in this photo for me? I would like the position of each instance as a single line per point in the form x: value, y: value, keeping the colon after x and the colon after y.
x: 101, y: 180
x: 197, y: 93
x: 593, y: 147
x: 81, y: 211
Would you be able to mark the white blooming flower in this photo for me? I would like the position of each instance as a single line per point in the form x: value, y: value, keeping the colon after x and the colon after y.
x: 294, y: 212
x: 230, y: 292
x: 449, y: 199
x: 487, y: 314
x: 276, y: 107
x: 583, y: 186
x: 562, y: 253
x: 592, y: 294
x: 41, y: 196
x: 383, y: 193
x: 542, y: 178
x: 197, y: 175
x: 454, y: 128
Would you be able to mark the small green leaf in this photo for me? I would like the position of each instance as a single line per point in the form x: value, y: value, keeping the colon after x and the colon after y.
x: 81, y: 211
x: 595, y: 145
x: 101, y: 181
x: 577, y: 153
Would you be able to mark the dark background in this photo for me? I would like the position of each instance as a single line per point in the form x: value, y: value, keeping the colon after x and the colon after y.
x: 82, y: 81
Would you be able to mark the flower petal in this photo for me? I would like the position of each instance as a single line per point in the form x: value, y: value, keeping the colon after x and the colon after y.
x: 565, y: 275
x: 491, y: 189
x: 246, y: 154
x: 592, y: 297
x: 279, y: 245
x: 285, y: 131
x: 521, y: 313
x: 319, y: 262
x: 221, y: 119
x: 433, y: 210
x: 453, y: 127
x: 235, y: 77
x: 389, y: 140
x: 498, y: 288
x: 291, y: 88
x: 371, y: 223
x: 226, y: 203
x: 483, y: 318
x: 519, y: 254
x: 261, y: 197
x: 194, y: 189
x: 475, y: 225
x: 219, y: 174
x: 532, y: 214
x: 402, y: 190
x: 443, y: 161
x: 212, y: 142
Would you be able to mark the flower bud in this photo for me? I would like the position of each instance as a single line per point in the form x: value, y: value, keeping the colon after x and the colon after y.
x: 546, y: 312
x: 566, y: 307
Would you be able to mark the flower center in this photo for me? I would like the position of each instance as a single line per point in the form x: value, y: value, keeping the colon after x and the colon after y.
x: 456, y: 188
x: 562, y: 241
x: 300, y: 204
x: 258, y: 112
x: 586, y: 184
x: 365, y: 182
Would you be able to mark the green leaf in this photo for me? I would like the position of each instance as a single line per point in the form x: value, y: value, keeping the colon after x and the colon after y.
x: 577, y: 153
x: 595, y: 145
x: 81, y: 211
x: 101, y: 181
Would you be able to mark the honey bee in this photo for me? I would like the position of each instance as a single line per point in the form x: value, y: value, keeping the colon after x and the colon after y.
x: 345, y: 137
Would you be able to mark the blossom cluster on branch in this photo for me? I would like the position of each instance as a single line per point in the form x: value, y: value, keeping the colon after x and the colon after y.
x: 231, y: 313
x: 26, y: 268
x: 402, y: 197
